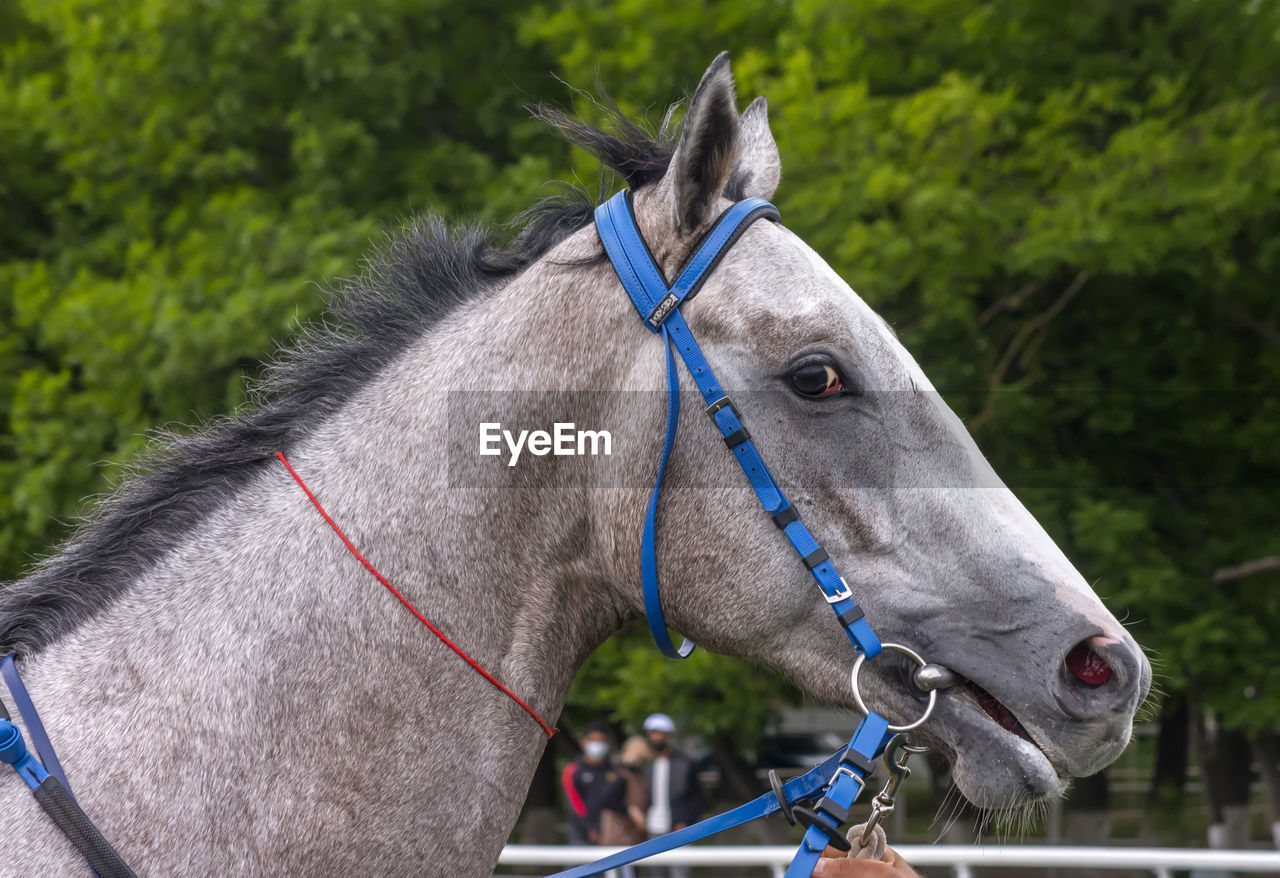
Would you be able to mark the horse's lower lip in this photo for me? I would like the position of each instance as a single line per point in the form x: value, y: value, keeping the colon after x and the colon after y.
x: 1005, y: 719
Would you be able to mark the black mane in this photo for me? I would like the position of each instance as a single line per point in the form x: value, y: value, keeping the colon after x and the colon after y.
x: 420, y: 275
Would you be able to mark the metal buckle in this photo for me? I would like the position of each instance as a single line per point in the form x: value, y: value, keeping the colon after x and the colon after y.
x: 844, y: 769
x: 841, y: 593
x: 719, y: 404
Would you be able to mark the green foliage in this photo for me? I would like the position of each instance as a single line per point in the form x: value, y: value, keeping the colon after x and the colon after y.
x: 175, y: 177
x: 1069, y: 217
x: 711, y: 695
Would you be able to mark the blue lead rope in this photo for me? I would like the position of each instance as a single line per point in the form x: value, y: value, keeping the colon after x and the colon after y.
x: 841, y: 776
x: 849, y: 765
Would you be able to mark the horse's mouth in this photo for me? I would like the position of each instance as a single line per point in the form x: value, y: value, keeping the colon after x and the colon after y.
x: 1005, y: 718
x: 994, y: 708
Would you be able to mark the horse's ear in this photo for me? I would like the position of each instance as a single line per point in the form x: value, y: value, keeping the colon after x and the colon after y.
x: 760, y: 168
x: 708, y: 151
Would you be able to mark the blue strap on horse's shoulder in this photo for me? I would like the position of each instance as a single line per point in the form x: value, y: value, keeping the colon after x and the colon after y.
x: 47, y: 781
x: 27, y: 710
x: 658, y: 306
x: 13, y: 752
x: 848, y: 765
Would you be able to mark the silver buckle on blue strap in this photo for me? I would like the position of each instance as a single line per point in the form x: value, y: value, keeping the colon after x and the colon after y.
x: 841, y: 593
x: 846, y: 770
x: 721, y: 403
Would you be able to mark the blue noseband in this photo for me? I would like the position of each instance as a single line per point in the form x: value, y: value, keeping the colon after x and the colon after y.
x: 659, y: 307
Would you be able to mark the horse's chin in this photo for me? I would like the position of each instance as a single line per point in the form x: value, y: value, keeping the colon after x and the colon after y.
x: 993, y: 766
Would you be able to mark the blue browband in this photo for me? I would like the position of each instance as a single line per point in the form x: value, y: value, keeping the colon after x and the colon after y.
x: 659, y: 307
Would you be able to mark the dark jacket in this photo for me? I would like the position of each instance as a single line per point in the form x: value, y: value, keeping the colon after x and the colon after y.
x: 589, y: 790
x: 685, y: 793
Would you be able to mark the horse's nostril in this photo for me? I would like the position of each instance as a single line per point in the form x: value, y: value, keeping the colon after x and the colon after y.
x: 1087, y: 665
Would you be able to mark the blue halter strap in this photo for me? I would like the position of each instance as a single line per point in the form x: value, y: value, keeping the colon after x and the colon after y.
x: 659, y: 308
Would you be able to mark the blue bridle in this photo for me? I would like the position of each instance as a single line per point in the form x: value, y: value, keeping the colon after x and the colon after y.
x: 659, y: 307
x: 839, y: 779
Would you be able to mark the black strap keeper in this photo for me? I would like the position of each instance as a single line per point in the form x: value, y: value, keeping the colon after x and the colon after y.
x: 819, y: 818
x: 812, y: 561
x: 837, y: 812
x: 736, y: 438
x: 857, y: 760
x: 784, y: 517
x: 849, y: 616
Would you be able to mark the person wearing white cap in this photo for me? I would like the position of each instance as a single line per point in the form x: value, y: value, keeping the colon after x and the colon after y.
x: 675, y: 795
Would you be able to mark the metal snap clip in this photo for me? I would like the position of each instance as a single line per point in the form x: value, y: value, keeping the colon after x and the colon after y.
x: 896, y: 755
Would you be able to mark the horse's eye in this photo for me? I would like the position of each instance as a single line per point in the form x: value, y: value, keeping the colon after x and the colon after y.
x: 816, y: 380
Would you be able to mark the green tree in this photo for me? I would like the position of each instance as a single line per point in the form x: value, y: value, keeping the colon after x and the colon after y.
x: 175, y: 177
x: 1069, y: 215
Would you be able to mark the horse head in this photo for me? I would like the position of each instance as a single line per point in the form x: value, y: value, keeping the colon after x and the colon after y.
x: 937, y: 550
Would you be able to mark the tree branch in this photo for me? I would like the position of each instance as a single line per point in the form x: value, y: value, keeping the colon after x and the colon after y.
x: 1008, y: 303
x: 1261, y: 327
x: 1223, y: 575
x: 1024, y: 333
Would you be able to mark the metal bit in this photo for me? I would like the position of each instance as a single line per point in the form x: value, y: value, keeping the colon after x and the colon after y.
x: 931, y: 677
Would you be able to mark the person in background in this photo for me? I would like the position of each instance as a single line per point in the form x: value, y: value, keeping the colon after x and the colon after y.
x: 635, y: 759
x: 675, y: 798
x: 592, y: 786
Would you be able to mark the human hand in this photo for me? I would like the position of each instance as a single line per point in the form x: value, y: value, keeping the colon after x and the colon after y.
x: 834, y: 864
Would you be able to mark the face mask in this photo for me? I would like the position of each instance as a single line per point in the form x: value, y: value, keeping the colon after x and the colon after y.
x: 596, y: 750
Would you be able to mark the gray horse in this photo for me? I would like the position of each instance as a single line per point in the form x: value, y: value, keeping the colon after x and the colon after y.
x: 230, y: 690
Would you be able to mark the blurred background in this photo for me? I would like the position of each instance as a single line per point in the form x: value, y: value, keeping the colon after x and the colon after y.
x: 1068, y: 212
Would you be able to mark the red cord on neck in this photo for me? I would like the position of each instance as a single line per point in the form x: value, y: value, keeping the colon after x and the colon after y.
x: 421, y: 618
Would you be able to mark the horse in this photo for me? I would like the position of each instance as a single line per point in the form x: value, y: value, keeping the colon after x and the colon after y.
x: 231, y: 691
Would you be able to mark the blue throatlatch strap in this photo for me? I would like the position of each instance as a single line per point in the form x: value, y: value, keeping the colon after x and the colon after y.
x: 659, y: 307
x: 798, y: 789
x: 27, y: 710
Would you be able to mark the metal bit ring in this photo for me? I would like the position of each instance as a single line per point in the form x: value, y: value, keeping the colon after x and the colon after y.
x: 857, y: 694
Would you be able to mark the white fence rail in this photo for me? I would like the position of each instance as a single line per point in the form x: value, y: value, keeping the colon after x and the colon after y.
x: 961, y: 858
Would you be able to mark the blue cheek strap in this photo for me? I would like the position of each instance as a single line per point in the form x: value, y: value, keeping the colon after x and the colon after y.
x: 659, y: 307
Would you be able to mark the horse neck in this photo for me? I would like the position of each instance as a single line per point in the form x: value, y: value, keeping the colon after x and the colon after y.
x: 264, y: 614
